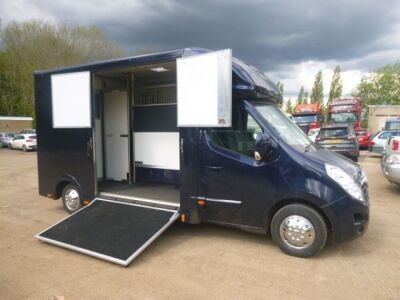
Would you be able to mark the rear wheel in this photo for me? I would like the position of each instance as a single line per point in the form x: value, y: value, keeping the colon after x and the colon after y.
x: 24, y: 148
x: 71, y: 198
x: 299, y: 230
x: 355, y: 158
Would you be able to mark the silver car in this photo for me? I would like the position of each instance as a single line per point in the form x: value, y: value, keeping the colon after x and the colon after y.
x: 6, y: 138
x: 391, y: 167
x: 379, y: 140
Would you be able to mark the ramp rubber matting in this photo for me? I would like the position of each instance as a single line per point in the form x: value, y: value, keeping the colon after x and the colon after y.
x: 110, y: 230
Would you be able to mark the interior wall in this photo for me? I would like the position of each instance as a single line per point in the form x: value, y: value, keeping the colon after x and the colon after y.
x: 154, y: 135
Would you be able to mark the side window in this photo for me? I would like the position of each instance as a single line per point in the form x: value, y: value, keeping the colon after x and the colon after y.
x: 384, y: 135
x: 241, y: 138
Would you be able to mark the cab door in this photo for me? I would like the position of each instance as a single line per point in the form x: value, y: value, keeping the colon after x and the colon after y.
x: 238, y: 188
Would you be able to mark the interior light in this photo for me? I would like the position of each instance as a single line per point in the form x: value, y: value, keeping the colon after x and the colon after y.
x: 159, y: 69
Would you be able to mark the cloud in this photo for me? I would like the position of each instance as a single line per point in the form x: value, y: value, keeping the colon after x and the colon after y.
x: 290, y: 40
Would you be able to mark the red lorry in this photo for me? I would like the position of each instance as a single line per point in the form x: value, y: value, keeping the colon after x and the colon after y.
x: 308, y: 116
x: 349, y: 110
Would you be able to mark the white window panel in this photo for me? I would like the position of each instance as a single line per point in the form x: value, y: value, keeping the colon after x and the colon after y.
x: 71, y: 100
x: 205, y: 90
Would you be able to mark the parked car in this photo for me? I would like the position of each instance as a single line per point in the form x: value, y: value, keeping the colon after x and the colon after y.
x: 392, y: 146
x: 5, y: 138
x: 379, y: 140
x: 391, y: 167
x: 28, y: 131
x: 24, y: 142
x: 339, y: 138
x: 364, y: 138
x: 312, y: 134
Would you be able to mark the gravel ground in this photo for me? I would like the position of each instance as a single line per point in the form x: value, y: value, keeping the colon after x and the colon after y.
x: 192, y: 261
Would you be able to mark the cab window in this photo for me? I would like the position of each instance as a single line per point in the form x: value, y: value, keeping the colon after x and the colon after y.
x: 241, y: 137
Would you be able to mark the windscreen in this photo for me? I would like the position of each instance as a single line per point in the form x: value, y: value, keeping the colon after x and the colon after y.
x: 10, y: 135
x: 283, y: 126
x: 333, y: 132
x: 305, y: 118
x: 343, y: 117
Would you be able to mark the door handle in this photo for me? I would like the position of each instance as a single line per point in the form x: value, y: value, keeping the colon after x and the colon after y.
x: 214, y: 168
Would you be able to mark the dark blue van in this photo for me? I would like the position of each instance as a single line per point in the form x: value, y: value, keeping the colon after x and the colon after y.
x: 110, y: 146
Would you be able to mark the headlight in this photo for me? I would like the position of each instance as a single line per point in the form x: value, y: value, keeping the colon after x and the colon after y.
x: 393, y: 159
x: 348, y: 183
x: 363, y: 178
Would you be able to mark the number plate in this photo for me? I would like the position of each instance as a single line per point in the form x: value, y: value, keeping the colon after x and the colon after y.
x: 335, y: 141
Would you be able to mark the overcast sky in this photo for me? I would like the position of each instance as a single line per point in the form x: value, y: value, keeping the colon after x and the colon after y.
x: 288, y: 40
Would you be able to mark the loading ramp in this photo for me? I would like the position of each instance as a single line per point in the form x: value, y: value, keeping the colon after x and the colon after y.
x: 111, y: 230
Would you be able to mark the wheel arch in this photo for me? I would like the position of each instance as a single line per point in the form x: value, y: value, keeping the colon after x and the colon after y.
x: 62, y: 182
x: 284, y: 202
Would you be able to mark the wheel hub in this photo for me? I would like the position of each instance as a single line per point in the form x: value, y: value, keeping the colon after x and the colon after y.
x: 297, y: 232
x: 72, y: 200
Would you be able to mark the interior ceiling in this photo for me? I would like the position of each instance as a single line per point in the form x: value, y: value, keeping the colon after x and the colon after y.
x: 142, y: 72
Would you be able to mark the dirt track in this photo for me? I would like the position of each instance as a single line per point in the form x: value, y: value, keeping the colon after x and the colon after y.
x: 190, y: 261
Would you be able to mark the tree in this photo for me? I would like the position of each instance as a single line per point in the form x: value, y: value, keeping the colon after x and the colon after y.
x: 289, y: 106
x: 336, y: 85
x: 300, y: 97
x: 381, y: 87
x: 305, y: 100
x: 281, y: 87
x: 37, y: 45
x: 317, y: 93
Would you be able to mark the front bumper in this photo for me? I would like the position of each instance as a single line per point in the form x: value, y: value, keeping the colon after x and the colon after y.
x: 391, y: 172
x: 349, y: 218
x: 363, y: 144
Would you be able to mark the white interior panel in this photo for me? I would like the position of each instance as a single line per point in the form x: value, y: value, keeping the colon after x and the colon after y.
x: 71, y: 100
x: 115, y: 125
x: 157, y: 149
x: 204, y: 90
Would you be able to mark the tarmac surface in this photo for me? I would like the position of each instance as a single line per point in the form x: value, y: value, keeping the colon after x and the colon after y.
x: 192, y: 261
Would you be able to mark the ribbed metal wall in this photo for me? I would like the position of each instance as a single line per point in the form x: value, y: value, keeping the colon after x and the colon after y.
x: 155, y: 95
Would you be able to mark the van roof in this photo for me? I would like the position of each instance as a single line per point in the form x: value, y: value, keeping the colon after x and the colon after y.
x: 248, y: 78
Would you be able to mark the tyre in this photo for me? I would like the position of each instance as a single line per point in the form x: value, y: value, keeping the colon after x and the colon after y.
x: 9, y: 146
x: 299, y: 230
x: 355, y: 158
x: 24, y: 148
x: 71, y: 198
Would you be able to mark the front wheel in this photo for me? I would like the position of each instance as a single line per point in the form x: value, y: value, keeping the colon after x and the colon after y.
x: 299, y: 230
x: 71, y: 198
x: 24, y: 148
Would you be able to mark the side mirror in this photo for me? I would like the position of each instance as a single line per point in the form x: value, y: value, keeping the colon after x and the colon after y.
x: 263, y: 148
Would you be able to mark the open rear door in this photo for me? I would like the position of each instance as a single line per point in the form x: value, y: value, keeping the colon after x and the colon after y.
x: 110, y: 230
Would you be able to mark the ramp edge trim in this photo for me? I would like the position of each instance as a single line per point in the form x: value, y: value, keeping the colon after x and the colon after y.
x: 124, y: 263
x: 146, y: 200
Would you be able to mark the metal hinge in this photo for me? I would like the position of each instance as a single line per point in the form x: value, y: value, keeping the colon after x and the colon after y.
x: 181, y: 146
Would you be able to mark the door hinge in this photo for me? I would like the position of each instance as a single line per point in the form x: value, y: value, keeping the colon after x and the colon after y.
x: 181, y: 146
